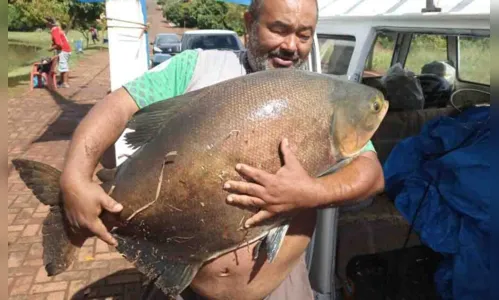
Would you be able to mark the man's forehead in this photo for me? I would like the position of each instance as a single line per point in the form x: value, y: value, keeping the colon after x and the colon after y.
x: 306, y: 10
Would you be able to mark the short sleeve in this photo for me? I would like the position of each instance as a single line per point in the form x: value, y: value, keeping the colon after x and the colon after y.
x: 368, y: 147
x: 167, y: 80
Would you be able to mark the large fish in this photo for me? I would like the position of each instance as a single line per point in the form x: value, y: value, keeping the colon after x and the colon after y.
x: 175, y: 217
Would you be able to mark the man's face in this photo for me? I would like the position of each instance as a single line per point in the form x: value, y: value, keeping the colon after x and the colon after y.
x: 282, y: 35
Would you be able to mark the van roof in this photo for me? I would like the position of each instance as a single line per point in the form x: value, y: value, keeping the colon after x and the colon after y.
x: 378, y: 9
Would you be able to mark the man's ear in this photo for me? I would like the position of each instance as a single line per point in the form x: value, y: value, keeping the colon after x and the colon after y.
x: 248, y: 21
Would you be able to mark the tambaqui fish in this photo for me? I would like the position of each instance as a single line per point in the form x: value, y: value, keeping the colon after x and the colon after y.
x: 175, y: 217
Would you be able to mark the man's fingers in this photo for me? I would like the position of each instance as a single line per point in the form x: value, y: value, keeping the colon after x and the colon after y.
x: 110, y: 205
x: 253, y: 174
x: 245, y: 188
x: 243, y: 200
x: 288, y: 155
x: 98, y: 228
x: 258, y: 217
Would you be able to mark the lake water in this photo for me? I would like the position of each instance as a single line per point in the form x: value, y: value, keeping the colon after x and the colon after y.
x: 22, y: 55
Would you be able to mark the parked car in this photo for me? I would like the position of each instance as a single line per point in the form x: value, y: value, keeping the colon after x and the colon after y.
x: 211, y: 39
x: 167, y: 43
x: 165, y: 46
x: 159, y: 58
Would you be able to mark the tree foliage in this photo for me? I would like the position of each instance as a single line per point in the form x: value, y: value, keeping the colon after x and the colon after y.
x: 84, y: 15
x: 28, y: 15
x: 204, y: 14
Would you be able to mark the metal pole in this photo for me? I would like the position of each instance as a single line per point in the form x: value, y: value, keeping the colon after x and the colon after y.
x: 430, y: 7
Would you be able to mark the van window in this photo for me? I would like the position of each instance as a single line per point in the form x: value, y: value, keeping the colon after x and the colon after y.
x: 336, y: 52
x: 378, y: 61
x: 424, y: 49
x: 474, y: 60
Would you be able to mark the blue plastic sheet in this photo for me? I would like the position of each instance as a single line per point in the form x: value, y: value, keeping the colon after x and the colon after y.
x: 451, y: 160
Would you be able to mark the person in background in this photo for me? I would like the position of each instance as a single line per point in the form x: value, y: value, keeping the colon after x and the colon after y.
x: 93, y: 33
x: 61, y: 45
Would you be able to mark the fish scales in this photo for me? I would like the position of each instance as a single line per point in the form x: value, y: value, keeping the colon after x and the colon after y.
x: 205, y: 151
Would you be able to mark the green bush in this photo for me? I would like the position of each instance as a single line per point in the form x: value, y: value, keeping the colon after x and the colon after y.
x: 205, y: 14
x: 14, y: 17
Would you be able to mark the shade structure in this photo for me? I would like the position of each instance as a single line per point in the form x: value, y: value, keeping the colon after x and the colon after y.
x: 240, y: 2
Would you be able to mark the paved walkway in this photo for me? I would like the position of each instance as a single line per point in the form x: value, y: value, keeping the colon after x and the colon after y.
x: 40, y: 126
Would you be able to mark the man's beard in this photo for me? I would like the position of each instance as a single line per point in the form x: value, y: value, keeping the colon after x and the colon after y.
x: 259, y: 60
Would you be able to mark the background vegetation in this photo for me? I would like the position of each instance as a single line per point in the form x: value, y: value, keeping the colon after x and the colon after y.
x: 29, y: 39
x: 204, y: 14
x: 474, y: 55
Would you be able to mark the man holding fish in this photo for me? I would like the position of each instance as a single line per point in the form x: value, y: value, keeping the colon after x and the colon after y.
x: 280, y: 36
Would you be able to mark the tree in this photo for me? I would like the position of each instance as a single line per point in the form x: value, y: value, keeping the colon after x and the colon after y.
x: 234, y: 18
x: 205, y: 14
x: 84, y: 15
x: 25, y: 15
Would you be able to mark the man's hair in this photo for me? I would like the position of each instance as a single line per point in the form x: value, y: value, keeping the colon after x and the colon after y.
x: 256, y: 5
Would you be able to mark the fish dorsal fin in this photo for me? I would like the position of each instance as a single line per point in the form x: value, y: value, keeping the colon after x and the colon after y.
x: 150, y: 120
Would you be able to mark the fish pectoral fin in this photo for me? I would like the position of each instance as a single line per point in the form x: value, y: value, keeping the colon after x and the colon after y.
x: 149, y: 121
x: 274, y: 239
x: 171, y: 276
x: 336, y: 167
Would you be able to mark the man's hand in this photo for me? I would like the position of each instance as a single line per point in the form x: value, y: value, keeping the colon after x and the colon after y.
x: 83, y: 202
x: 288, y: 191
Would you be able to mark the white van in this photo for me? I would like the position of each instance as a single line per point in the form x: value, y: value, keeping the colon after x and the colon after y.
x: 445, y: 44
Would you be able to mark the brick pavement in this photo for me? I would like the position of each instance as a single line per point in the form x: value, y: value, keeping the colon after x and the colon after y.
x: 40, y: 125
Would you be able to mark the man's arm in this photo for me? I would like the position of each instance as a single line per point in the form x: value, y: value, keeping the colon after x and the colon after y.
x: 99, y: 129
x: 56, y: 37
x: 360, y: 179
x: 292, y: 188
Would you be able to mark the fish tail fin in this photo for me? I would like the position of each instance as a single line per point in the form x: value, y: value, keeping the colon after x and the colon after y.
x: 43, y: 180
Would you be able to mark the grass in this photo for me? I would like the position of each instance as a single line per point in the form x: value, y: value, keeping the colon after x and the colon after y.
x: 474, y: 58
x: 25, y: 48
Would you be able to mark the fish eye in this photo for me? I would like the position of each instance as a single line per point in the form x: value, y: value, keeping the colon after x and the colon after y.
x: 376, y: 105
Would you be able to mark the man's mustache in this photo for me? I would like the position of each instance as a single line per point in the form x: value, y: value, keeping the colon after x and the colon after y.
x: 293, y: 56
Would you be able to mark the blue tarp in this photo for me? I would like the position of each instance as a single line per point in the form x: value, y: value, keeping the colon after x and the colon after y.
x: 451, y: 157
